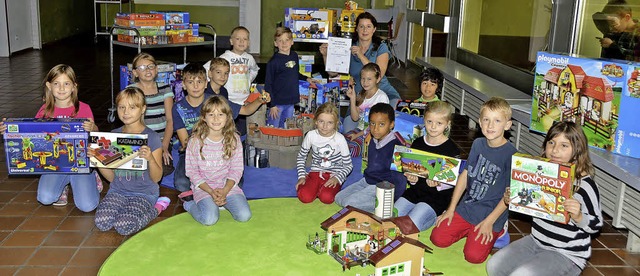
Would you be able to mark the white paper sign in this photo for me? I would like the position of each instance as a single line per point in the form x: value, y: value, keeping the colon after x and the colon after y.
x: 338, y: 55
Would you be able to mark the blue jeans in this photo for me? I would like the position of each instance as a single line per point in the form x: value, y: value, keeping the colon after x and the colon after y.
x: 285, y: 111
x: 361, y: 195
x: 422, y: 215
x: 525, y: 257
x: 180, y: 180
x: 85, y: 191
x: 207, y: 212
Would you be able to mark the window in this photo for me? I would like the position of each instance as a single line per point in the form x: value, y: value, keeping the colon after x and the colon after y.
x: 385, y: 272
x: 506, y: 31
x: 401, y: 268
x: 392, y: 270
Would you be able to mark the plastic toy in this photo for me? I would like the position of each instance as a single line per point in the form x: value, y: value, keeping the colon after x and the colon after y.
x: 355, y: 237
x: 36, y: 146
x: 117, y: 150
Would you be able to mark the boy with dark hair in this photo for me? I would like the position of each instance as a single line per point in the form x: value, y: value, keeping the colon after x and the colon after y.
x: 480, y: 216
x: 362, y: 194
x: 618, y: 14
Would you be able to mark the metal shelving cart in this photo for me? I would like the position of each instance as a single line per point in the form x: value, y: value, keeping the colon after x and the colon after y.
x: 112, y: 111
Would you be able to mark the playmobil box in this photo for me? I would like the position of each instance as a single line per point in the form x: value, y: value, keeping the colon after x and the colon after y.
x: 39, y: 146
x: 343, y: 83
x: 427, y: 165
x: 599, y: 95
x: 409, y: 127
x: 540, y: 187
x: 117, y: 150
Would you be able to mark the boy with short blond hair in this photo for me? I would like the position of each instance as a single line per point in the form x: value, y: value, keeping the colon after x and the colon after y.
x: 282, y: 78
x: 480, y: 216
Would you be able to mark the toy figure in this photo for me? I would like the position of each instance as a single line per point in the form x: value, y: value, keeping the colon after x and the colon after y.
x: 27, y: 149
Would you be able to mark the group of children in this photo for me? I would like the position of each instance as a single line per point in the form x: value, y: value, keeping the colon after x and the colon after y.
x: 210, y: 164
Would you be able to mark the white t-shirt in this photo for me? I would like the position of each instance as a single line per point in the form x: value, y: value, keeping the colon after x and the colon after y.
x: 243, y: 71
x: 365, y: 106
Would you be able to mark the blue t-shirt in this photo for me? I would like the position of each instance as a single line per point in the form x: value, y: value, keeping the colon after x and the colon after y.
x: 488, y: 175
x: 356, y: 65
x: 186, y: 116
x: 281, y: 79
x: 137, y: 182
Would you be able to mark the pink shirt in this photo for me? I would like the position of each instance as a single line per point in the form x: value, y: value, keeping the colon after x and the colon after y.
x: 83, y: 112
x: 213, y: 170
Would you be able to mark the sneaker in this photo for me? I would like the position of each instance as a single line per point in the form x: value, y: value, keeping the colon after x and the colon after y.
x: 504, y: 239
x: 62, y: 200
x: 186, y: 196
x: 98, y: 182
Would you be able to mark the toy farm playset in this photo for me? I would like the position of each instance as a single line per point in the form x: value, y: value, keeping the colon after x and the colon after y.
x: 117, y: 150
x: 427, y: 165
x: 354, y: 237
x: 38, y: 146
x: 539, y: 187
x: 599, y: 95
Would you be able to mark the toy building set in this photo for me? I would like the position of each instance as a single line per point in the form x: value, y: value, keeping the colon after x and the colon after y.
x: 539, y: 187
x: 412, y: 107
x: 117, y: 150
x: 310, y: 22
x: 354, y: 237
x: 43, y: 146
x: 599, y: 95
x: 427, y: 165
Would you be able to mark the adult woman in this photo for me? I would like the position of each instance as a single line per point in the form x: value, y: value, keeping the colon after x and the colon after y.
x: 367, y: 47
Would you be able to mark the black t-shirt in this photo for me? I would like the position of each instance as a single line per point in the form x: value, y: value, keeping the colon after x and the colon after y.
x: 421, y: 192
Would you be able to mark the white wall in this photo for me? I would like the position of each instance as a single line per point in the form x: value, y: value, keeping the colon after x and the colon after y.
x: 4, y: 37
x: 250, y: 18
x: 19, y: 21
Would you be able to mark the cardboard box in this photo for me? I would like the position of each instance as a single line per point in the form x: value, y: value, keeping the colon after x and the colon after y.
x: 174, y: 17
x: 145, y: 40
x: 39, y: 146
x: 117, y: 150
x: 306, y: 64
x: 343, y: 83
x: 143, y: 31
x: 427, y: 165
x: 539, y: 187
x: 163, y: 78
x: 179, y: 38
x: 188, y: 32
x: 139, y: 16
x: 139, y: 22
x: 411, y: 107
x: 599, y: 95
x: 194, y: 39
x: 310, y: 29
x: 293, y: 15
x: 409, y: 127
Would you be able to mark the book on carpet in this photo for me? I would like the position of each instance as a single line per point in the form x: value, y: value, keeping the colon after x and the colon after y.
x: 540, y: 186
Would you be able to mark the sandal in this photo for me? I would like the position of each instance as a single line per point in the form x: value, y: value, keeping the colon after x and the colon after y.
x: 186, y: 196
x: 162, y: 203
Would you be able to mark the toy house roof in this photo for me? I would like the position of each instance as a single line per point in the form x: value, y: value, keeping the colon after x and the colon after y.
x: 552, y: 75
x: 395, y: 244
x: 578, y: 74
x: 404, y: 223
x: 281, y: 132
x: 597, y: 88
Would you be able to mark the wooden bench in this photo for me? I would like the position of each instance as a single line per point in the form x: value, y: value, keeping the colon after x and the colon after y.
x: 617, y: 176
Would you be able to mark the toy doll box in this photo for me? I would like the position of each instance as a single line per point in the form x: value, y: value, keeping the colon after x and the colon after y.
x: 599, y: 95
x: 39, y: 146
x: 539, y: 187
x: 427, y: 165
x: 117, y: 150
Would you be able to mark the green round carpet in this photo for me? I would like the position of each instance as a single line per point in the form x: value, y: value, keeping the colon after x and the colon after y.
x: 271, y: 243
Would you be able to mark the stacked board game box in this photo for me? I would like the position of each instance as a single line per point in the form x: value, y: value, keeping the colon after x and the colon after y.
x: 539, y: 187
x: 43, y: 146
x: 117, y: 150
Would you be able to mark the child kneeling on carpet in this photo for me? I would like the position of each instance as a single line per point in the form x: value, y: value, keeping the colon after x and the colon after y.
x: 425, y: 199
x: 480, y: 216
x: 330, y: 158
x: 129, y: 204
x: 554, y: 248
x: 362, y: 194
x: 214, y: 165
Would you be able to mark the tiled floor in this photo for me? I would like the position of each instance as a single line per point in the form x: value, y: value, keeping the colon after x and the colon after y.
x: 46, y: 240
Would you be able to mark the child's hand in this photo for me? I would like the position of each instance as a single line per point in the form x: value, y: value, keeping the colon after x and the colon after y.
x: 506, y: 198
x: 606, y: 42
x: 166, y: 156
x: 323, y: 49
x: 3, y: 126
x: 352, y: 136
x: 485, y: 231
x: 432, y: 183
x: 274, y: 112
x: 574, y: 209
x: 266, y: 97
x: 351, y: 93
x: 332, y: 182
x: 219, y: 196
x: 412, y: 178
x: 301, y: 182
x: 145, y: 152
x: 446, y: 216
x: 88, y: 125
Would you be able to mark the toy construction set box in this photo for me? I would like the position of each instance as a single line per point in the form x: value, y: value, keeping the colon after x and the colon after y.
x: 314, y: 95
x: 117, y: 150
x: 42, y: 146
x: 427, y: 165
x: 540, y: 187
x: 412, y: 107
x: 599, y: 95
x: 310, y: 22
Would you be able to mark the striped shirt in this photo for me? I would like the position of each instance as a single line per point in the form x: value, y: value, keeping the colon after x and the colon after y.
x: 328, y: 154
x: 573, y: 240
x: 155, y: 117
x: 213, y: 170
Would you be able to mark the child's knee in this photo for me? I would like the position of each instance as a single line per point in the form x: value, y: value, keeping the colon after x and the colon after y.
x: 243, y: 216
x: 210, y: 219
x: 475, y: 256
x: 326, y: 198
x: 46, y: 198
x: 305, y: 197
x: 440, y: 238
